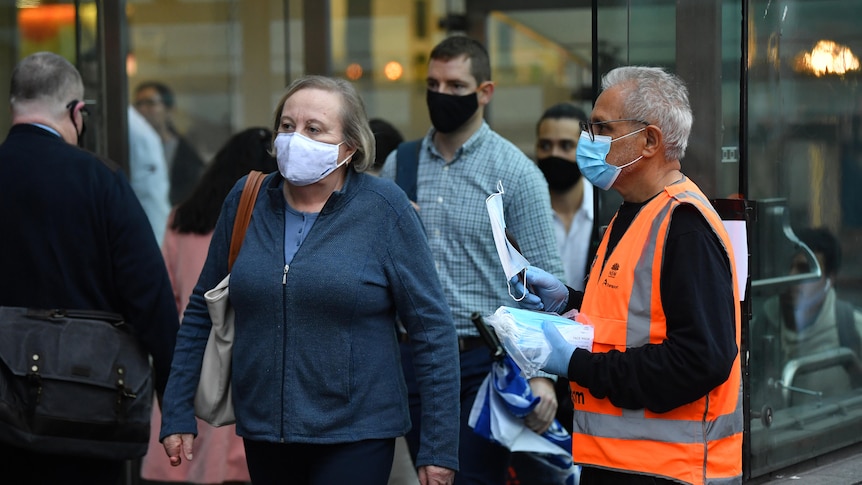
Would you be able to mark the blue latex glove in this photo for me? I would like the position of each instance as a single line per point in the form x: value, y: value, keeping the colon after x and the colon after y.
x: 545, y: 291
x: 561, y: 351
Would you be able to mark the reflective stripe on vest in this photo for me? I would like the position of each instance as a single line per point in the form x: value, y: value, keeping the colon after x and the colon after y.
x: 700, y: 442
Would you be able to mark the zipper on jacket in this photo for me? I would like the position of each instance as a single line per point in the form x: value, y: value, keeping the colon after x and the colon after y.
x: 284, y: 276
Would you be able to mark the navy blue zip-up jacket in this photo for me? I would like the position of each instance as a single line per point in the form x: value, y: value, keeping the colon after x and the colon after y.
x: 75, y: 236
x: 315, y: 356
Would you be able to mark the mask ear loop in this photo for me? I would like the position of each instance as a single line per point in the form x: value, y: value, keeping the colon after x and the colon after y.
x: 348, y: 157
x: 509, y: 286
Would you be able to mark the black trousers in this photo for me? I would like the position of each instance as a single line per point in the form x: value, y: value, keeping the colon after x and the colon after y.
x: 361, y: 463
x: 31, y: 468
x: 598, y: 476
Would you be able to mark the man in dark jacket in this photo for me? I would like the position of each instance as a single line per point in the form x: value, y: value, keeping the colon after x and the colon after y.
x: 74, y: 237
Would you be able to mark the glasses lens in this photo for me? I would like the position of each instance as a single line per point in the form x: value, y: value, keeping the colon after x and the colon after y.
x: 587, y: 127
x: 146, y: 103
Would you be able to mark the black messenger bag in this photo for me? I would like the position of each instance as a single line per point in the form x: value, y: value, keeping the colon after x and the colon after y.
x: 73, y: 382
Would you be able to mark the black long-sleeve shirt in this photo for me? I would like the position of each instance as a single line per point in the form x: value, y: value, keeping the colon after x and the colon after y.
x: 697, y: 296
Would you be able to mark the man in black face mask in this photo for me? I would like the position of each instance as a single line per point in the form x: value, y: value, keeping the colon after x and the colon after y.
x: 557, y: 136
x: 449, y: 174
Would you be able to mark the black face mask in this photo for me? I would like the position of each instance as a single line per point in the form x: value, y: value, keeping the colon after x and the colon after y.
x: 449, y: 112
x: 560, y: 173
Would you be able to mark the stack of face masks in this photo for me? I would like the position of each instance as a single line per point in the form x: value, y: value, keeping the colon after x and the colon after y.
x: 520, y: 332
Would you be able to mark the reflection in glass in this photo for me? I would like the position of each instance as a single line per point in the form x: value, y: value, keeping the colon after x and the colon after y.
x: 827, y: 57
x: 807, y: 318
x: 803, y: 149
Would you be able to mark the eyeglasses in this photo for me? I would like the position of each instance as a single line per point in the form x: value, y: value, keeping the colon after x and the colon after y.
x: 71, y: 108
x: 147, y: 103
x: 588, y: 125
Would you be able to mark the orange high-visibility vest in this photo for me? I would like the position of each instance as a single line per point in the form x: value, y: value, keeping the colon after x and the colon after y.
x: 698, y: 443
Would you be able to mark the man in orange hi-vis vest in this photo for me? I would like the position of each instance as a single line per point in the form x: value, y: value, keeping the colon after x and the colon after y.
x: 658, y: 400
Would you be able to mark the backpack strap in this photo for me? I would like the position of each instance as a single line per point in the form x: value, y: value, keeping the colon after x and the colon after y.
x: 243, y: 213
x: 407, y: 168
x: 848, y: 336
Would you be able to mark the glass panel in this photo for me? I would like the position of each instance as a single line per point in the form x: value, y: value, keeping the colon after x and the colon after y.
x: 678, y: 36
x: 49, y: 27
x: 28, y: 27
x: 805, y: 155
x: 383, y: 47
x: 538, y: 58
x: 632, y: 33
x: 90, y: 65
x: 223, y: 61
x: 289, y: 44
x: 9, y: 32
x: 728, y: 170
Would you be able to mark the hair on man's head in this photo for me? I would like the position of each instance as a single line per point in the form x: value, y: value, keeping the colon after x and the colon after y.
x: 460, y: 45
x: 562, y: 111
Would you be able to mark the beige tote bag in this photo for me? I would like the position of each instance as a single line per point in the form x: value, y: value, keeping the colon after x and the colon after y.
x: 213, y: 402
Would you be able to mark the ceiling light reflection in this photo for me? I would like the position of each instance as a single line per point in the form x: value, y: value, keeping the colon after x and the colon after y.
x: 827, y: 57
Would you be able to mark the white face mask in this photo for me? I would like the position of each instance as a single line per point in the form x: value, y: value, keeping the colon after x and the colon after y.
x: 512, y: 260
x: 303, y: 161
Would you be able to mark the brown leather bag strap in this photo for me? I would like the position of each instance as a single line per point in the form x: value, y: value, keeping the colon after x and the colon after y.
x: 243, y: 213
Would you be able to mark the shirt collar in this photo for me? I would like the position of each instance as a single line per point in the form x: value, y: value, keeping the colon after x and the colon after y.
x: 47, y: 128
x: 471, y: 144
x: 587, y: 200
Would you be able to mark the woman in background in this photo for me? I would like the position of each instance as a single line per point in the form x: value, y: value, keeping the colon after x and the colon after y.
x: 219, y: 454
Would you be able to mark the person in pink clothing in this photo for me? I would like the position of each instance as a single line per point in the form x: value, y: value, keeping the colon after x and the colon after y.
x: 219, y: 453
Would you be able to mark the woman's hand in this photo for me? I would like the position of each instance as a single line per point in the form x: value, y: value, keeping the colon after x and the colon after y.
x: 176, y: 443
x: 436, y: 475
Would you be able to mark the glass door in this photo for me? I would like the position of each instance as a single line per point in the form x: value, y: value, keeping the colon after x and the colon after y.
x: 805, y: 169
x: 540, y: 55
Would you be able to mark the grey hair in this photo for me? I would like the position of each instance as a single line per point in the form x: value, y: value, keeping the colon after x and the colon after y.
x: 354, y: 120
x: 45, y: 77
x: 658, y: 97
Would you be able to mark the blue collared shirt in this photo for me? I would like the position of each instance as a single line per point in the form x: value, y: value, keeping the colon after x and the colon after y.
x: 451, y: 198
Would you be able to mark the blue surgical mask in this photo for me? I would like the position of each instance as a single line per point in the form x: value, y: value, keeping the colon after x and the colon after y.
x: 591, y: 159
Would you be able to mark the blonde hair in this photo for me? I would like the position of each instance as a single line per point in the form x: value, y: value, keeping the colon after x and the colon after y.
x: 354, y: 121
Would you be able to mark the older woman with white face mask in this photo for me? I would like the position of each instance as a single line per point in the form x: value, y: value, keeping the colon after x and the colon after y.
x: 331, y: 256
